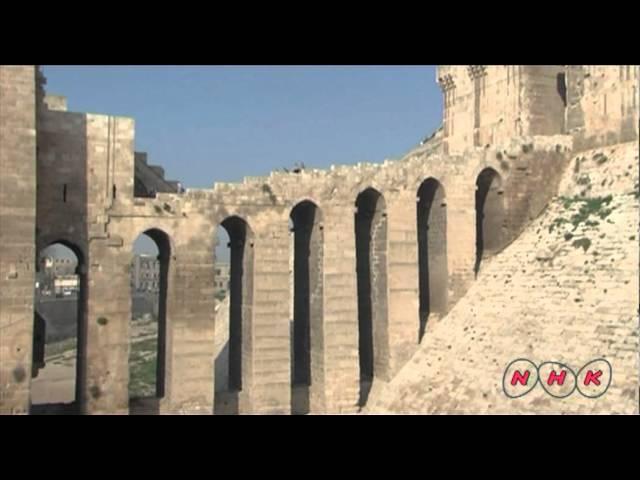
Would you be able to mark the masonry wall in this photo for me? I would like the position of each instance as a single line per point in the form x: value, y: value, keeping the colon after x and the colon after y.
x: 340, y: 319
x: 565, y: 291
x: 530, y: 169
x: 89, y: 204
x: 92, y: 157
x: 56, y: 102
x: 603, y: 104
x: 188, y: 340
x: 489, y: 104
x: 17, y: 233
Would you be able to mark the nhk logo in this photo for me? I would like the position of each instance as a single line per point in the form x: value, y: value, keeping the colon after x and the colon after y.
x: 558, y: 380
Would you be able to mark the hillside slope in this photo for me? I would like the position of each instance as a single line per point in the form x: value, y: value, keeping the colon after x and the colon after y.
x: 566, y: 290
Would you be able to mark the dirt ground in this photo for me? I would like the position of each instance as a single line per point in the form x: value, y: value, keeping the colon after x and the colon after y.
x: 56, y: 382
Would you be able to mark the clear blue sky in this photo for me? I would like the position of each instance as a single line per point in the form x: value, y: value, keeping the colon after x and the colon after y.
x: 208, y: 124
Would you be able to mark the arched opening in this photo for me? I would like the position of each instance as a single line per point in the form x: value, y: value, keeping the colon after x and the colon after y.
x: 306, y: 331
x: 371, y: 272
x: 432, y: 251
x: 561, y: 87
x: 59, y: 342
x: 489, y: 215
x: 222, y: 280
x: 147, y: 346
x: 233, y: 331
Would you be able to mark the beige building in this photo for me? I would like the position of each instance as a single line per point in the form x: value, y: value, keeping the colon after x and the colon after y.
x: 222, y: 277
x: 145, y: 273
x: 57, y: 266
x: 66, y: 284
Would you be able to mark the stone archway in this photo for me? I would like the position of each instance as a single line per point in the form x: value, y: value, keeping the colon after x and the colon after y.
x: 490, y: 215
x: 236, y: 356
x: 307, y: 336
x: 59, y: 342
x: 148, y: 342
x: 371, y: 269
x: 432, y: 251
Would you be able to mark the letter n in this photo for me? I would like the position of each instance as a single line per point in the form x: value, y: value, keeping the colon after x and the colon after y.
x: 518, y: 377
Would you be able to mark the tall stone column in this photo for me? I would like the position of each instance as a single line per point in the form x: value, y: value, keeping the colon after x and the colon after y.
x: 267, y: 382
x: 402, y: 281
x: 190, y: 333
x: 340, y: 320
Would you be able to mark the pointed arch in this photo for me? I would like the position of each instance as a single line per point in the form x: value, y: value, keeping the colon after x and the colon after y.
x: 490, y: 214
x: 60, y: 320
x: 371, y: 270
x: 150, y: 288
x: 432, y: 251
x: 307, y: 328
x: 241, y: 240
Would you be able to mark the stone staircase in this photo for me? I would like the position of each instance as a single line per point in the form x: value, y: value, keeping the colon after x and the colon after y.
x: 566, y: 290
x: 149, y: 179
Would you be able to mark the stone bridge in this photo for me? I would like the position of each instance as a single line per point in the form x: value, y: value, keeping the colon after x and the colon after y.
x: 334, y: 273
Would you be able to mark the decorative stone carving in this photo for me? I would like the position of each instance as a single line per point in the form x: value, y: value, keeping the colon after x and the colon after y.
x: 477, y: 71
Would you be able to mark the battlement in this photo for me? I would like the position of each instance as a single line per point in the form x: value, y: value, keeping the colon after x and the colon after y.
x: 56, y: 102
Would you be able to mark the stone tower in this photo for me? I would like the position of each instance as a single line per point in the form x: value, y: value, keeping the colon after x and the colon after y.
x: 486, y: 104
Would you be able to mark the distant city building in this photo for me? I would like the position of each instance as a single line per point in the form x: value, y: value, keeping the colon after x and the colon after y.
x: 58, y: 266
x: 66, y: 285
x: 145, y: 273
x: 222, y: 276
x: 57, y: 276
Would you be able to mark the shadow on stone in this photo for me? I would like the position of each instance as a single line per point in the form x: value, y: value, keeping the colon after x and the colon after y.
x: 54, y: 409
x: 144, y: 406
x: 300, y: 400
x: 226, y: 403
x: 365, y: 389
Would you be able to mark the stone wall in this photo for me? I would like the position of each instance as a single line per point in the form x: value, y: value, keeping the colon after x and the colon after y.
x: 489, y: 104
x: 92, y: 157
x: 361, y: 281
x: 603, y: 104
x: 530, y: 169
x: 89, y: 205
x: 56, y: 102
x: 17, y: 233
x: 566, y: 291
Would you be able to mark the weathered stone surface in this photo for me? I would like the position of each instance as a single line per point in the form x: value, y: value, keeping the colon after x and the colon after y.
x: 580, y: 307
x: 17, y: 233
x: 331, y: 312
